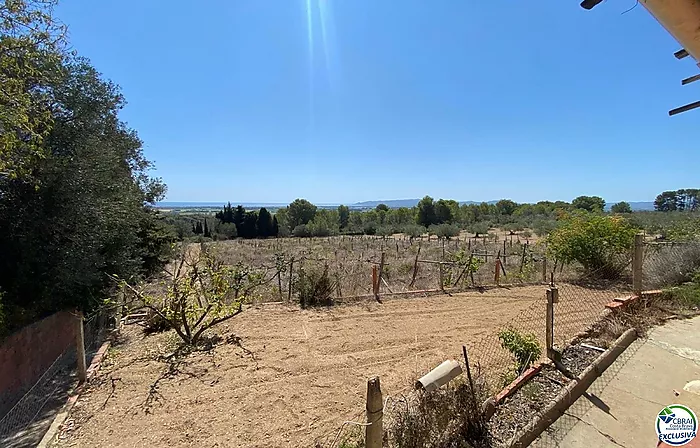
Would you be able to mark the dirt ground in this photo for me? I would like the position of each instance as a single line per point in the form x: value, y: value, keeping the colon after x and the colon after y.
x: 306, y: 375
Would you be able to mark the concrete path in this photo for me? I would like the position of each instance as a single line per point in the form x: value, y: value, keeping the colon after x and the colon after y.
x: 621, y: 406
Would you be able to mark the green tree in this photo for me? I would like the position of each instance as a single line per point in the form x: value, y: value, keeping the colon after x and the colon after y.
x: 443, y: 212
x: 506, y: 207
x: 238, y: 218
x: 343, y: 216
x: 426, y: 212
x: 382, y: 208
x: 324, y: 223
x: 198, y: 230
x: 600, y: 243
x: 206, y: 232
x: 589, y: 203
x: 31, y: 62
x: 621, y: 207
x: 264, y: 223
x: 86, y: 210
x: 275, y: 227
x: 299, y: 212
x: 226, y: 215
x: 249, y: 226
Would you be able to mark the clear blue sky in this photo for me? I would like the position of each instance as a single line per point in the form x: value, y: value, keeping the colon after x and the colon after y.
x: 267, y: 101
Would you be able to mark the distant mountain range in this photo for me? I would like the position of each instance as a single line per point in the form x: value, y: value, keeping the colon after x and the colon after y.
x: 391, y: 203
x: 396, y: 203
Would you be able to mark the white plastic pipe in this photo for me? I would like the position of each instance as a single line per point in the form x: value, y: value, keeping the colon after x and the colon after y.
x: 439, y: 376
x: 681, y: 18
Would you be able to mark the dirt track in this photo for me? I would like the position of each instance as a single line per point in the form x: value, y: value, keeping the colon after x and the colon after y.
x: 309, y: 373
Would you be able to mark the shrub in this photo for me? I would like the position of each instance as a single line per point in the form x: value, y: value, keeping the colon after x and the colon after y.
x: 601, y: 244
x: 524, y: 347
x: 479, y: 228
x: 543, y: 227
x: 444, y: 230
x: 200, y: 293
x: 447, y: 417
x: 301, y: 231
x: 413, y: 230
x: 315, y: 287
x: 666, y: 266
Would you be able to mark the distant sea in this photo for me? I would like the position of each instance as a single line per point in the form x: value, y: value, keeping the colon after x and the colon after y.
x: 167, y: 204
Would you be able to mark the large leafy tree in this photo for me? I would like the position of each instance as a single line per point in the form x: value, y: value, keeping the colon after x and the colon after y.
x: 589, y: 203
x: 426, y: 212
x: 621, y: 207
x: 75, y: 187
x: 31, y: 56
x: 300, y: 212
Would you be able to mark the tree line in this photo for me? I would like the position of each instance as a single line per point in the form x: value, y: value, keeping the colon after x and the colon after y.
x: 442, y: 217
x: 75, y: 194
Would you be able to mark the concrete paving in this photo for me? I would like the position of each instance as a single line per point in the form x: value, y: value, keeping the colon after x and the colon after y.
x: 621, y: 406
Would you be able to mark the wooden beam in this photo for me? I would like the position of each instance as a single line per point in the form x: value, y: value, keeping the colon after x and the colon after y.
x: 687, y: 81
x: 685, y: 108
x: 680, y: 54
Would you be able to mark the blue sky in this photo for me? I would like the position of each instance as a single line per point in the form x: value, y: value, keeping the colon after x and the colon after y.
x: 472, y: 100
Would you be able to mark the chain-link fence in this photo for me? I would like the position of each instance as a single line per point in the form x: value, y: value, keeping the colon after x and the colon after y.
x: 29, y: 417
x: 669, y: 264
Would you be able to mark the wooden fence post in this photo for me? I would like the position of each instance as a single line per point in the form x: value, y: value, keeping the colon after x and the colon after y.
x: 497, y: 273
x: 291, y: 279
x: 552, y: 298
x: 441, y: 280
x: 544, y: 270
x: 80, y: 347
x: 375, y: 413
x: 637, y: 263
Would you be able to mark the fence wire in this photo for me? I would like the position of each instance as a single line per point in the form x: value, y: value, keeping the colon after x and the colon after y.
x: 29, y: 418
x: 410, y: 265
x: 669, y: 264
x: 25, y: 424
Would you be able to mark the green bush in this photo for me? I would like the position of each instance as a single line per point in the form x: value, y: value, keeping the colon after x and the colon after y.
x: 301, y: 231
x: 413, y: 230
x: 315, y: 287
x: 600, y: 243
x: 444, y: 230
x: 524, y: 347
x: 479, y: 228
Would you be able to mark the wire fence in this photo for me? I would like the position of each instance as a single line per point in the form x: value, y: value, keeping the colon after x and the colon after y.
x: 669, y: 264
x: 26, y: 422
x: 407, y: 266
x: 582, y: 299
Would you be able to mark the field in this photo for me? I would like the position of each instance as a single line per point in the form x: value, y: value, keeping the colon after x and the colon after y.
x: 278, y: 375
x: 409, y: 264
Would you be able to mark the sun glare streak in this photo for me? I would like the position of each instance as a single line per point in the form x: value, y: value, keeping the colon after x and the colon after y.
x: 323, y: 6
x: 310, y: 36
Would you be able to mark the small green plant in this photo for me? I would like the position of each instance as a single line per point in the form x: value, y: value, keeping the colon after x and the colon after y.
x: 524, y: 347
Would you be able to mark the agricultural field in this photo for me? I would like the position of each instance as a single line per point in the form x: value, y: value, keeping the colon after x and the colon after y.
x: 409, y: 264
x: 280, y: 375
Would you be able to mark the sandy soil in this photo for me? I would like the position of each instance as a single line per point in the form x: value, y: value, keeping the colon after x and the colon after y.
x: 308, y: 376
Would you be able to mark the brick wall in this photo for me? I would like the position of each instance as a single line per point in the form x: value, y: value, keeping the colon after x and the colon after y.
x: 25, y: 355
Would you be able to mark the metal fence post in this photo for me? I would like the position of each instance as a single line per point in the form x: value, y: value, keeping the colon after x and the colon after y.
x: 375, y: 413
x: 637, y: 263
x: 80, y: 347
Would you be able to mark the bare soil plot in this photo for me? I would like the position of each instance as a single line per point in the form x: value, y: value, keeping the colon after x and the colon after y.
x: 307, y: 377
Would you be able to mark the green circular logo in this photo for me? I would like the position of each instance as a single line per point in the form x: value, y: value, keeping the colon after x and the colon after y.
x: 676, y: 425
